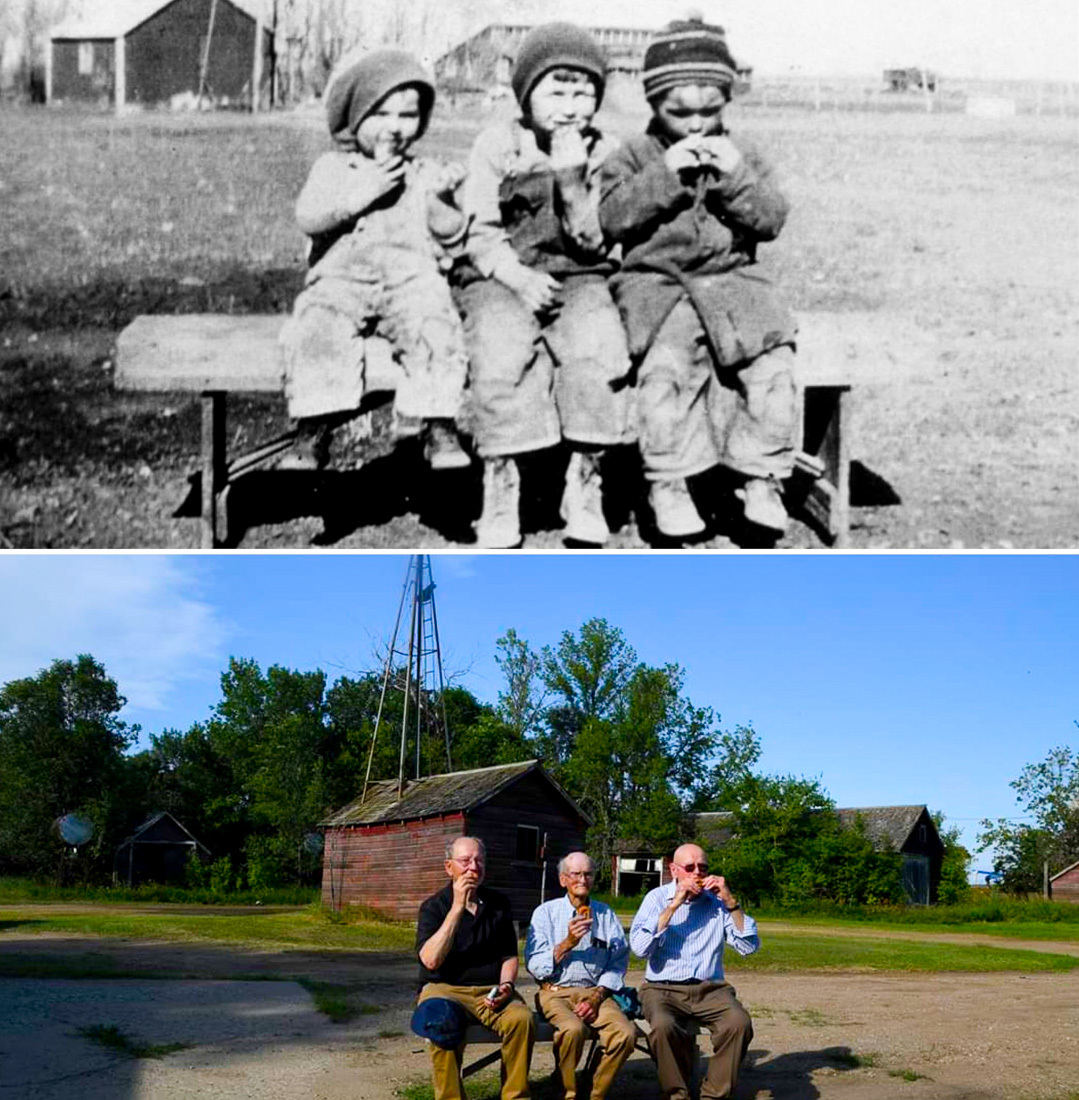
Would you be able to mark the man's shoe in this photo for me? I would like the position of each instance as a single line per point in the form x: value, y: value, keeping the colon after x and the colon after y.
x: 499, y: 527
x: 442, y: 448
x: 311, y: 448
x: 764, y: 503
x: 582, y: 500
x: 676, y: 514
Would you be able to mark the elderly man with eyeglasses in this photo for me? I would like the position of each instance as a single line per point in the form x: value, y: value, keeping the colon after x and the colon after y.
x: 681, y: 928
x: 577, y: 950
x: 467, y: 947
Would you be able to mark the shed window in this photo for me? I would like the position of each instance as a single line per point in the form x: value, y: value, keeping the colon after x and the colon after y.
x: 527, y: 843
x: 86, y: 58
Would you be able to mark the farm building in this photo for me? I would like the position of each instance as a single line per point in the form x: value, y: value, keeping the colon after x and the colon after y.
x: 388, y: 851
x: 486, y: 58
x: 1064, y: 885
x: 145, y: 52
x: 908, y: 829
x: 157, y: 851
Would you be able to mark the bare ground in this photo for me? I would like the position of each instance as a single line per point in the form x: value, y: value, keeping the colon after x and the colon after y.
x: 847, y: 1036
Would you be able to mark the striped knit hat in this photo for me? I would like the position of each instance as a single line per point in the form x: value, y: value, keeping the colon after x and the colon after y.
x: 687, y: 51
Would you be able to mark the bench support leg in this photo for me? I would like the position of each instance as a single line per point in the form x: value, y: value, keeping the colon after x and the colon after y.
x: 212, y: 459
x: 824, y: 454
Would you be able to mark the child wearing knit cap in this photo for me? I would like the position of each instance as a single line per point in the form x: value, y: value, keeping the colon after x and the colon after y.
x: 383, y: 225
x: 547, y: 350
x: 689, y: 204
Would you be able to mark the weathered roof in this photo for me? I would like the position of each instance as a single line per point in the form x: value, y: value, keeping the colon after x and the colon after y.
x: 120, y: 17
x: 884, y: 823
x: 438, y: 794
x: 154, y: 820
x: 1064, y: 870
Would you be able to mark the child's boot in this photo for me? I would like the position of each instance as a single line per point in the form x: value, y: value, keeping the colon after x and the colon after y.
x: 499, y: 527
x: 311, y: 448
x: 582, y: 500
x: 764, y: 503
x: 442, y: 447
x: 676, y: 514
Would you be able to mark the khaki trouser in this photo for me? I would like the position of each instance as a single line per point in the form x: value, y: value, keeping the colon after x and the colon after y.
x: 714, y: 1005
x: 514, y: 1025
x: 617, y: 1037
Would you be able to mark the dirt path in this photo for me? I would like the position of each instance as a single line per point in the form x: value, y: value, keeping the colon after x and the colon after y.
x: 829, y: 1036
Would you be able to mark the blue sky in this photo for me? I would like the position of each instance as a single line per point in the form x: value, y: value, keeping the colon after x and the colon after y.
x: 892, y: 679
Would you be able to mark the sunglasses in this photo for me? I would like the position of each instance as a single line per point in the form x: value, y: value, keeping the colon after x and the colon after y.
x: 698, y: 868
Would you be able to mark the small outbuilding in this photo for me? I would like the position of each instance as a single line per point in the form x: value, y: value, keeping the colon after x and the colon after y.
x: 907, y: 829
x: 387, y: 850
x: 148, y: 52
x: 157, y: 851
x: 1064, y: 885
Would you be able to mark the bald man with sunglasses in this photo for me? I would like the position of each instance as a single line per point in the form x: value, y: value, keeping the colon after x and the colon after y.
x: 681, y: 929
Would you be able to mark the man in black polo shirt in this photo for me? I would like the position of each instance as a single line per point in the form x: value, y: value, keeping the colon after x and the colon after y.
x: 467, y: 947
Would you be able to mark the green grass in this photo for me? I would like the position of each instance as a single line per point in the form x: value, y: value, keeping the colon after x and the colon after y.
x: 112, y: 1038
x: 307, y: 928
x: 14, y: 890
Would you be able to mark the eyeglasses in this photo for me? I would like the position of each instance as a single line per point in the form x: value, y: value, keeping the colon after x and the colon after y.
x: 699, y: 868
x: 465, y: 861
x: 579, y: 874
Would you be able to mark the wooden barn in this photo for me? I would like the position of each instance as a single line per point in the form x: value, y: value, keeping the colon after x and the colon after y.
x: 908, y: 829
x: 388, y: 852
x: 144, y: 53
x: 157, y: 851
x: 1064, y: 885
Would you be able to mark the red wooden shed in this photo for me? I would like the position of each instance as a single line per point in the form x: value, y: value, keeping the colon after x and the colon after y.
x: 388, y: 851
x: 1064, y: 885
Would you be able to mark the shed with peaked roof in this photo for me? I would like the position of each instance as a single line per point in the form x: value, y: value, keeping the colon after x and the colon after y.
x: 157, y: 851
x: 387, y: 850
x: 145, y: 52
x: 910, y: 830
x: 1064, y: 885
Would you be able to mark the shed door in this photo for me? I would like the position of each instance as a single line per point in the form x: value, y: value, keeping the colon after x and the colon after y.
x: 916, y: 879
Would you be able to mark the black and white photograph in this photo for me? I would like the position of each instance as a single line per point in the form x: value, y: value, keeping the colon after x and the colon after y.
x: 750, y: 274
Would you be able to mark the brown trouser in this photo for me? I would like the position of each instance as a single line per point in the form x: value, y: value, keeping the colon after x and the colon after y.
x: 514, y: 1025
x: 617, y: 1037
x: 667, y: 1007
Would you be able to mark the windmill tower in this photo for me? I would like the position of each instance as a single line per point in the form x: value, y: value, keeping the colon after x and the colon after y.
x: 414, y: 665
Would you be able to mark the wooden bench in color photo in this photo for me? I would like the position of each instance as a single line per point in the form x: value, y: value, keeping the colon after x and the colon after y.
x: 214, y: 355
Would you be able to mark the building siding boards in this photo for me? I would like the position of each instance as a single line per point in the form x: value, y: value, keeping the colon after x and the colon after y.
x: 163, y: 58
x: 393, y: 865
x: 1064, y: 885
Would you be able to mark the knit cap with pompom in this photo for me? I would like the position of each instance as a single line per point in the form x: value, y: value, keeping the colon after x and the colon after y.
x: 687, y: 51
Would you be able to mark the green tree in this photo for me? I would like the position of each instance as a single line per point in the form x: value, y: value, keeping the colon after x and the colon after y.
x: 1048, y: 791
x: 61, y: 751
x: 954, y: 888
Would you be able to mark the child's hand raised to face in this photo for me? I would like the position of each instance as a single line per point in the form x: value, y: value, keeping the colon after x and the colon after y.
x: 720, y: 153
x: 569, y: 150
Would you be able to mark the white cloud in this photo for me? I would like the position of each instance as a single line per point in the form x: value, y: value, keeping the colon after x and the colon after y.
x: 144, y: 617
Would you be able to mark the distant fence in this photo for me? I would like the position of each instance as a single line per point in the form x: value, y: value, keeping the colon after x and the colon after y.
x: 1031, y: 97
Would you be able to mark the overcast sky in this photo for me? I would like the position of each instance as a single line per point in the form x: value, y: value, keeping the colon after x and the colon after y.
x: 893, y: 679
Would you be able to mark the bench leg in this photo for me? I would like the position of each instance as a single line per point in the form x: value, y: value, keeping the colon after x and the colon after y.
x: 825, y: 455
x: 213, y: 468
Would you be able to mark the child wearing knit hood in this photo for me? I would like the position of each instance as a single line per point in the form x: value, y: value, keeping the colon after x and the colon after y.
x: 547, y: 350
x: 383, y: 226
x: 713, y: 341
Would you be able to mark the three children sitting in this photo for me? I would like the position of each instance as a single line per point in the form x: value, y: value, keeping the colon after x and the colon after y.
x: 681, y: 347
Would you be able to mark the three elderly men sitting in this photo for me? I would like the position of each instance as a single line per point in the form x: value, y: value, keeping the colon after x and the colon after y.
x: 578, y: 952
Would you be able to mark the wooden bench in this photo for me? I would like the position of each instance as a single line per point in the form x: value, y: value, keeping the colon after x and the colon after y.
x: 213, y: 355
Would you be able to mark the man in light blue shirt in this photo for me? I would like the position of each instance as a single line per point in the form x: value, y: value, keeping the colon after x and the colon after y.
x: 681, y: 928
x: 577, y: 951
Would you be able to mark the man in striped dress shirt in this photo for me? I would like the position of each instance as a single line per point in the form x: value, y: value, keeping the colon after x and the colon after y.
x: 681, y: 928
x: 577, y: 951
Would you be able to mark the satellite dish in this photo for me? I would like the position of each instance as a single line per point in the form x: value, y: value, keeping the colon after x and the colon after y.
x: 313, y: 843
x: 74, y: 829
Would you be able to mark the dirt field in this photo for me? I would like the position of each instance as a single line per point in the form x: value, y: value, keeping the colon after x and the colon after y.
x: 966, y: 228
x: 821, y: 1036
